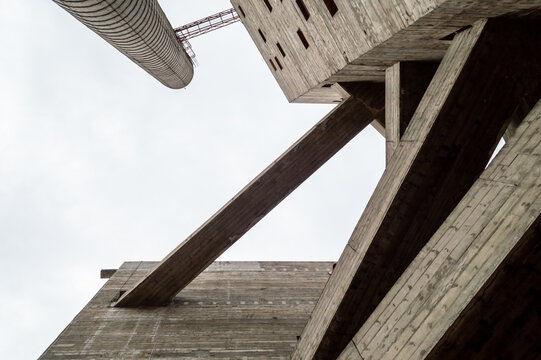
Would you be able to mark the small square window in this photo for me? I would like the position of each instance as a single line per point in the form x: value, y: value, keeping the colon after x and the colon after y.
x: 262, y: 36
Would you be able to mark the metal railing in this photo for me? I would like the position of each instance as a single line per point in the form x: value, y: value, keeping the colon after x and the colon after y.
x: 206, y: 25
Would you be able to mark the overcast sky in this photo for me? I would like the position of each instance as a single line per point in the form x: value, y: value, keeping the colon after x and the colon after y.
x: 101, y: 164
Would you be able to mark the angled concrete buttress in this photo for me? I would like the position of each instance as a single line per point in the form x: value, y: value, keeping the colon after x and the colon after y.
x: 140, y: 30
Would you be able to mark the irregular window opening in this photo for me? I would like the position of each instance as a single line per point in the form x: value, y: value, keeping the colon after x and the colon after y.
x: 331, y: 6
x: 261, y: 34
x: 273, y: 66
x: 242, y: 11
x: 303, y: 9
x: 303, y: 39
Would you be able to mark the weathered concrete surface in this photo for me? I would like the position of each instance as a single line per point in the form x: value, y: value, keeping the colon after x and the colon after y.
x: 479, y: 266
x: 360, y: 40
x: 233, y: 310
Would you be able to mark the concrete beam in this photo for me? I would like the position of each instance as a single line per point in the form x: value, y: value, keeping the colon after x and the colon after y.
x: 405, y: 85
x: 346, y: 89
x: 379, y: 125
x: 258, y: 198
x: 140, y: 30
x: 107, y: 273
x: 462, y: 116
x: 519, y: 114
x: 496, y: 224
x: 502, y: 320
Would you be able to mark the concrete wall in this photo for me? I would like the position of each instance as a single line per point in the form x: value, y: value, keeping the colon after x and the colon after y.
x: 358, y: 40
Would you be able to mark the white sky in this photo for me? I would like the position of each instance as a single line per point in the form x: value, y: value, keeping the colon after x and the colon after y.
x: 101, y: 164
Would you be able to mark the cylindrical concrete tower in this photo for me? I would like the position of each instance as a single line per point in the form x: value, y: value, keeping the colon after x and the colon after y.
x: 140, y: 30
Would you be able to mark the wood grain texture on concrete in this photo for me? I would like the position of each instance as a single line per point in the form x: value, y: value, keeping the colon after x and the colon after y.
x: 486, y: 72
x: 502, y: 321
x: 497, y: 220
x: 360, y: 40
x: 405, y: 85
x: 259, y: 197
x: 233, y: 310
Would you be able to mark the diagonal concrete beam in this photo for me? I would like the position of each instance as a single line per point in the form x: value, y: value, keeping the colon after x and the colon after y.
x: 257, y: 199
x: 347, y: 88
x: 498, y: 220
x: 502, y: 320
x: 458, y: 123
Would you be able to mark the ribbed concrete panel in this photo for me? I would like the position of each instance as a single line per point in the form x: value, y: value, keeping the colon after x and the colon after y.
x: 140, y: 30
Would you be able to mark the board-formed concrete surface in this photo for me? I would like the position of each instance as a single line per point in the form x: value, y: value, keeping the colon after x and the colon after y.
x: 308, y: 45
x: 233, y: 310
x: 497, y: 222
x: 488, y: 69
x: 414, y: 277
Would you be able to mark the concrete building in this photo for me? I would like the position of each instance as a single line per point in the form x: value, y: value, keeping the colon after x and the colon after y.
x: 443, y: 263
x: 233, y: 310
